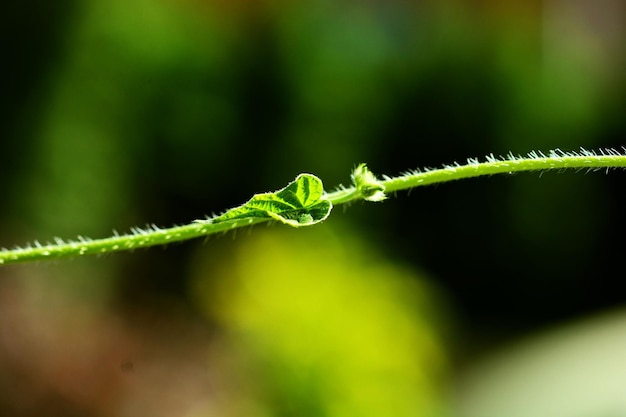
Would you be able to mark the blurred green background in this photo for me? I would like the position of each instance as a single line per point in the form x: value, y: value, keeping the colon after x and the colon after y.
x: 466, y: 299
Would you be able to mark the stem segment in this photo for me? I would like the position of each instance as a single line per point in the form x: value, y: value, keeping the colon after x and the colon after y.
x: 555, y: 160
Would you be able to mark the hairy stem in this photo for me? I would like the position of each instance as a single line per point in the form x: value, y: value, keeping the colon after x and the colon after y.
x: 555, y: 160
x: 138, y: 238
x: 366, y: 187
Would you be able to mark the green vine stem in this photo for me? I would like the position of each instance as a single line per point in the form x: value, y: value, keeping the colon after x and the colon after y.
x: 303, y: 202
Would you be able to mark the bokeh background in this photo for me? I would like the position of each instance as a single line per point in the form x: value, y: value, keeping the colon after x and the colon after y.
x: 498, y: 296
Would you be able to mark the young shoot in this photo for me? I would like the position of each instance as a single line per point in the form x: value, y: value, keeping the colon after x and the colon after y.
x: 303, y: 202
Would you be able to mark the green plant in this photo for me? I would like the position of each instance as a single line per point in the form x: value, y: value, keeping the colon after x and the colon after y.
x: 303, y: 202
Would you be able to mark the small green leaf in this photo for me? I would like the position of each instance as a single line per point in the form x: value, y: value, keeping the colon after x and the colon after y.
x: 300, y: 203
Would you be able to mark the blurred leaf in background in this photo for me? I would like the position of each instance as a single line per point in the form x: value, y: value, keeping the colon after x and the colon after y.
x: 327, y: 324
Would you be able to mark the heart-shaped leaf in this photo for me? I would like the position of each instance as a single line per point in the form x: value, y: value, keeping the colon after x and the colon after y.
x: 300, y: 203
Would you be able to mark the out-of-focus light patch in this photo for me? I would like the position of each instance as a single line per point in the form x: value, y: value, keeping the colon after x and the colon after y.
x: 575, y: 371
x: 330, y: 325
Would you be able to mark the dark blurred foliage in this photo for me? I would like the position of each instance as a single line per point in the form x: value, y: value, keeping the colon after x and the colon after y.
x: 115, y: 114
x: 29, y: 57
